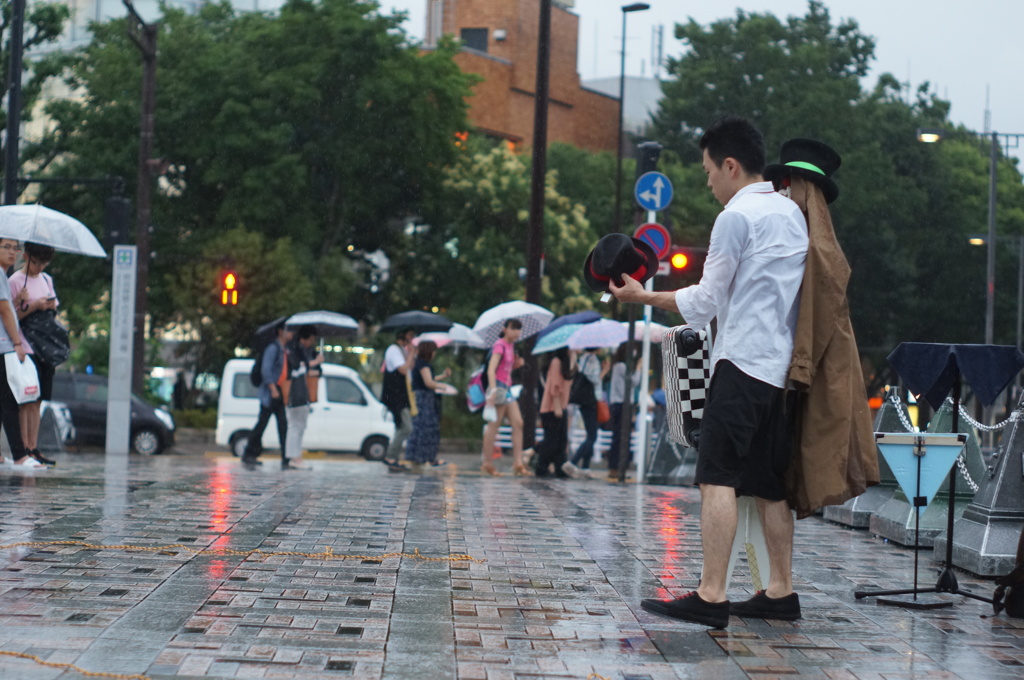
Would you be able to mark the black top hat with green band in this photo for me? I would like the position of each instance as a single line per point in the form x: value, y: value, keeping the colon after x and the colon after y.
x: 810, y: 159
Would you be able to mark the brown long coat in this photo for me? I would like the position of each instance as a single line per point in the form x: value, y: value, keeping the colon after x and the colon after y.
x: 834, y: 453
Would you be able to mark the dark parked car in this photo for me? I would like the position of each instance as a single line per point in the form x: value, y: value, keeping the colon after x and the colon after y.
x: 86, y: 397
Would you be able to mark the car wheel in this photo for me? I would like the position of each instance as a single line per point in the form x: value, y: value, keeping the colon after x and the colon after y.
x: 238, y: 442
x: 146, y: 442
x: 374, y: 448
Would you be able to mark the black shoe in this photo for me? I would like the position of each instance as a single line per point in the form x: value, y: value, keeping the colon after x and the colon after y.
x: 251, y: 460
x: 760, y: 606
x: 42, y: 459
x: 691, y: 607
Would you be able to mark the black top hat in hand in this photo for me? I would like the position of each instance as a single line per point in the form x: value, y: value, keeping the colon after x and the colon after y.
x: 615, y: 255
x: 810, y: 159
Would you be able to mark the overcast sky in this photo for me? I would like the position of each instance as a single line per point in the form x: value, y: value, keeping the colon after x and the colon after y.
x: 959, y: 47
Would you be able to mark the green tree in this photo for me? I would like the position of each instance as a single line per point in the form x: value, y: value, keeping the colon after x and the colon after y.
x: 470, y: 257
x: 905, y: 208
x: 44, y: 23
x: 320, y: 124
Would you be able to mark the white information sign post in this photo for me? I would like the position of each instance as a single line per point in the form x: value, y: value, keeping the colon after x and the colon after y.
x: 122, y: 321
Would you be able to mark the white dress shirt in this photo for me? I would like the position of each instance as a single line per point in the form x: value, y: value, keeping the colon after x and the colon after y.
x: 751, y: 282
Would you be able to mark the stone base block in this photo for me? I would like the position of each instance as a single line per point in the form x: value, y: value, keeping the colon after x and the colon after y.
x: 857, y: 512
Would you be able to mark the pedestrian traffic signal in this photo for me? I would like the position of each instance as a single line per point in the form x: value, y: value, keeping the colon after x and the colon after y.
x: 229, y: 289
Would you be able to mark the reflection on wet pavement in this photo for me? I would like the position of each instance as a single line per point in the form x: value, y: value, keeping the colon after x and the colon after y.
x: 557, y: 595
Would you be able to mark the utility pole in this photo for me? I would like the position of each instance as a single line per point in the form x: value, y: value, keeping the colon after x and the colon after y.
x: 144, y: 36
x: 535, y: 236
x: 14, y: 103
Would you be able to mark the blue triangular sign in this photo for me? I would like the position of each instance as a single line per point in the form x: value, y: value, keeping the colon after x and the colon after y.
x: 940, y: 452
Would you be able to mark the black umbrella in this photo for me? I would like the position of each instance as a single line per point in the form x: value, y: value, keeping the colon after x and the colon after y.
x: 266, y: 333
x: 421, y: 322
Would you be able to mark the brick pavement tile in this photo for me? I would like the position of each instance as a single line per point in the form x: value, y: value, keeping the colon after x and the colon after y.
x: 557, y: 597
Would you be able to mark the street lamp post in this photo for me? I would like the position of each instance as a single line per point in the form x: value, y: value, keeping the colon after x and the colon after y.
x: 931, y: 135
x: 615, y: 226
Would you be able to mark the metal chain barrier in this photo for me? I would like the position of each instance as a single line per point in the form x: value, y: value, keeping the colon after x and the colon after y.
x: 980, y: 426
x: 961, y: 465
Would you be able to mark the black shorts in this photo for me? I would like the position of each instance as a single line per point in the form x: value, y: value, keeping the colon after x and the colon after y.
x: 45, y: 372
x: 745, y: 434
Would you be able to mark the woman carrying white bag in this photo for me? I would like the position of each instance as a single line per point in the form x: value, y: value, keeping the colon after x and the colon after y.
x: 19, y: 382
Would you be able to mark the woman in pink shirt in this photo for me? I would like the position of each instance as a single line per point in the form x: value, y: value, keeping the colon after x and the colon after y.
x: 32, y: 291
x: 499, y: 380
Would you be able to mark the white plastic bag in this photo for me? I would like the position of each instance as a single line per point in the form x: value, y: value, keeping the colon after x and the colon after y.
x: 22, y: 377
x: 490, y: 414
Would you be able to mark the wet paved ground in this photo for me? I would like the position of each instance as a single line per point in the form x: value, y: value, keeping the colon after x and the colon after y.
x: 557, y: 595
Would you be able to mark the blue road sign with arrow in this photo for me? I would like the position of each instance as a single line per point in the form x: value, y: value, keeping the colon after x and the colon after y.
x: 653, y: 191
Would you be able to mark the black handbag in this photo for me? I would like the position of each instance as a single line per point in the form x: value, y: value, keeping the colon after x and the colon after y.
x: 48, y: 337
x: 581, y: 392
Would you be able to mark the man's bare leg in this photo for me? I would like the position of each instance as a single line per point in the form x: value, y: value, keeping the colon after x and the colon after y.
x: 717, y: 530
x: 777, y: 523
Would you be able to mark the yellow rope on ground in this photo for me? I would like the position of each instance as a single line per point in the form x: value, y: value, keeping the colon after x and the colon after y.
x: 595, y: 676
x: 327, y: 554
x: 75, y: 668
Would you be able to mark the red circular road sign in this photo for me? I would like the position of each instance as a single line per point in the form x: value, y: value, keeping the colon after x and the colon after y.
x: 656, y: 236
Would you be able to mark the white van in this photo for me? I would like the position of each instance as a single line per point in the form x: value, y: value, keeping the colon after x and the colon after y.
x: 346, y: 416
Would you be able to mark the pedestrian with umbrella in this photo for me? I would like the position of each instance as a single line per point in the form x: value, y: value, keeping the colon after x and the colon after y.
x: 300, y: 362
x: 272, y: 363
x: 10, y: 343
x: 551, y: 452
x: 36, y: 306
x: 399, y: 358
x: 499, y: 402
x: 425, y: 438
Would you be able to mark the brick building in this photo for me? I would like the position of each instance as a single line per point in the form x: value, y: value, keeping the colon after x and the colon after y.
x: 500, y: 44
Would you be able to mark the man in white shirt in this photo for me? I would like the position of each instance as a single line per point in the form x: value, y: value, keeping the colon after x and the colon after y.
x: 751, y: 284
x: 398, y: 361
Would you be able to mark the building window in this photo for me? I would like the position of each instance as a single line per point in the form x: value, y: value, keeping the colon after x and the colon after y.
x: 475, y: 38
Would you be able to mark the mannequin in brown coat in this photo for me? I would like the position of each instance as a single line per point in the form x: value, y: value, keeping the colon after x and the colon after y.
x: 834, y: 456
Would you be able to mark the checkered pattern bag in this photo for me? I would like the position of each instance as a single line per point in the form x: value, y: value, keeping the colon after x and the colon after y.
x: 686, y: 356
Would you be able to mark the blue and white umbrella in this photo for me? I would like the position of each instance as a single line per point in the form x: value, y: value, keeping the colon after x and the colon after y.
x: 556, y: 339
x: 492, y: 322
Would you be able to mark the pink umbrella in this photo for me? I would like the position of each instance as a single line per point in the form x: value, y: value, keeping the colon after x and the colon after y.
x: 657, y: 331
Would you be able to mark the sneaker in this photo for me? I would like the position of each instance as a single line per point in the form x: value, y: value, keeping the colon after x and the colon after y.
x: 692, y: 608
x: 573, y: 471
x: 27, y: 462
x: 293, y: 464
x: 42, y: 459
x: 760, y: 606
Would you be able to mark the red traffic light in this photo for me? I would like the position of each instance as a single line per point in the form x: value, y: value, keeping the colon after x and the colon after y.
x: 687, y: 261
x: 229, y: 290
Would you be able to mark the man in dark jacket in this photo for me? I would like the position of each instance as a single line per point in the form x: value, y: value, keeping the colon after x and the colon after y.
x: 271, y: 402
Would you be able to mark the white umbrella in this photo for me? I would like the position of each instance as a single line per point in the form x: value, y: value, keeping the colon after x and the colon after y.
x: 657, y: 331
x: 327, y: 323
x: 492, y: 322
x: 603, y: 333
x: 458, y: 334
x: 48, y: 227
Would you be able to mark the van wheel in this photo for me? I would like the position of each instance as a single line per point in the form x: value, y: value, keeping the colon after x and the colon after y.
x: 146, y: 442
x: 238, y: 442
x: 374, y: 448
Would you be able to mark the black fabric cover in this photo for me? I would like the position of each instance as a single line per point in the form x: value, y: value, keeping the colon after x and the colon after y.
x: 929, y: 368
